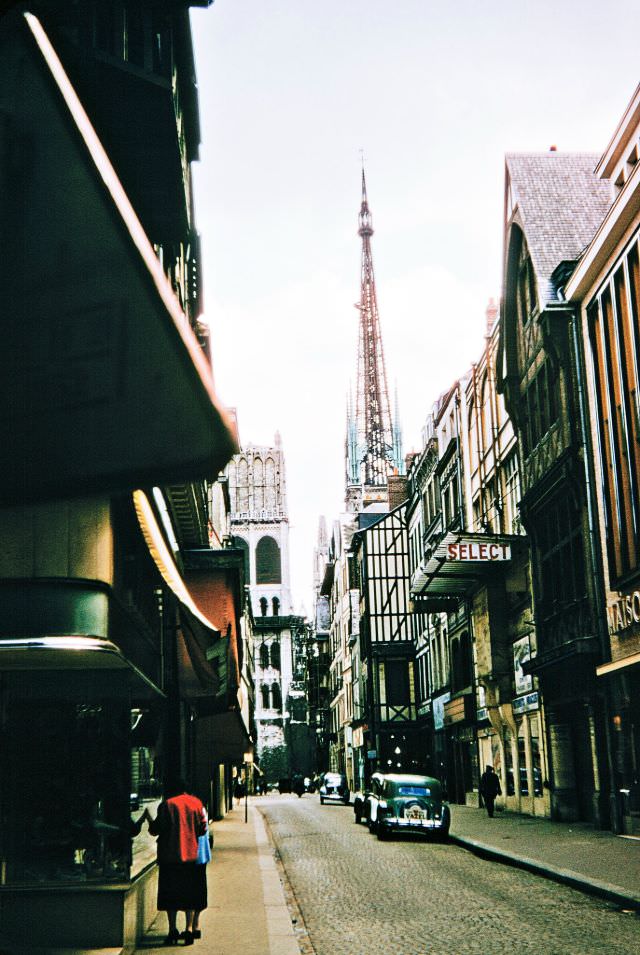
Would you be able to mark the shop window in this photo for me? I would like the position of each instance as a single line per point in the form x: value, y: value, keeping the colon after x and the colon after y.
x: 522, y: 762
x: 508, y: 764
x: 268, y: 570
x: 536, y: 756
x: 67, y: 777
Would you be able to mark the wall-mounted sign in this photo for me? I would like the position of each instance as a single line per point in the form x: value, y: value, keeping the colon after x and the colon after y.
x: 471, y: 550
x: 624, y: 612
x: 525, y: 703
x: 438, y: 710
x: 522, y: 653
x: 372, y: 753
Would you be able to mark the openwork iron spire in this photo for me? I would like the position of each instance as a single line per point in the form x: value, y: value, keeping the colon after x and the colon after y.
x: 373, y: 424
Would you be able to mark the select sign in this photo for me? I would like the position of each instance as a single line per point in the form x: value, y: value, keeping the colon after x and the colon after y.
x: 474, y: 551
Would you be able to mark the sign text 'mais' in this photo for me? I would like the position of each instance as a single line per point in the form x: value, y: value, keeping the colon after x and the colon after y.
x: 473, y: 550
x: 624, y: 612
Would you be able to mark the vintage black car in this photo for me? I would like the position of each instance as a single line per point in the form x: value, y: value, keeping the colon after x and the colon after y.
x: 407, y: 803
x: 334, y: 788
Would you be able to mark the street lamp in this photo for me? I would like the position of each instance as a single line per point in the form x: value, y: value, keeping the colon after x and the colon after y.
x: 248, y: 760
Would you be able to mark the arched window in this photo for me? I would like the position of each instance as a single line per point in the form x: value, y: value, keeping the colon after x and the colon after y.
x: 275, y: 603
x: 264, y: 692
x: 275, y: 655
x: 268, y: 570
x: 264, y: 603
x: 242, y: 492
x: 264, y: 656
x: 241, y: 544
x: 276, y: 697
x: 258, y: 484
x: 270, y: 483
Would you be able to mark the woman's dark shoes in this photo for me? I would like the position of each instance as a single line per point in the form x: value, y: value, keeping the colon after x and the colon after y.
x: 188, y: 938
x: 172, y: 938
x: 197, y: 933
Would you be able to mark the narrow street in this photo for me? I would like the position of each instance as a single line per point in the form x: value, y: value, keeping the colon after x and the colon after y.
x: 407, y: 897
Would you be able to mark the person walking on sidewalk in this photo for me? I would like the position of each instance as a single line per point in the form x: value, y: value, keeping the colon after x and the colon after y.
x: 182, y: 882
x: 490, y: 788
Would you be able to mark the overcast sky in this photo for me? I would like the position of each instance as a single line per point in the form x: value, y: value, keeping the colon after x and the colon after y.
x: 434, y: 94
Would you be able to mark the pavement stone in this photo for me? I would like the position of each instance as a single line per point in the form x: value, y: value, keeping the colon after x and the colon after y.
x: 575, y: 854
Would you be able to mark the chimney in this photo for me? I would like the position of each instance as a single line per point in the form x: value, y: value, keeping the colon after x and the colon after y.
x: 397, y: 488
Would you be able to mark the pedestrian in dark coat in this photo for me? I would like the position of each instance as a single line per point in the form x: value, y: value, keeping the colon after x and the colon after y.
x: 490, y: 788
x: 182, y: 882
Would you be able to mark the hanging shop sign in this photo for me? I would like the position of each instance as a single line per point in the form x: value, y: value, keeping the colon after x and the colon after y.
x: 473, y: 550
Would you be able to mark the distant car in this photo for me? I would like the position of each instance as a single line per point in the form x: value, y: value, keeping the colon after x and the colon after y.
x: 334, y: 788
x: 408, y: 803
x: 362, y: 799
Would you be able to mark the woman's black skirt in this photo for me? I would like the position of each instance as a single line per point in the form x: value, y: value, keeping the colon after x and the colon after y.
x: 182, y: 886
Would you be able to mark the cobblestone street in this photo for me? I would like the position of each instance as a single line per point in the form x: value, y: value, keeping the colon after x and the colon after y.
x: 404, y: 897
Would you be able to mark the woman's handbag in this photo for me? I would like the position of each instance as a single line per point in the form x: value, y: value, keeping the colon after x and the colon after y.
x: 204, y: 849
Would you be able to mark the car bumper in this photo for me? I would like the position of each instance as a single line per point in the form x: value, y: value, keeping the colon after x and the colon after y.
x: 424, y: 825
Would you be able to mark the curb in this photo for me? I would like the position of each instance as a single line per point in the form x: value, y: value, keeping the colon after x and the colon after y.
x: 603, y: 890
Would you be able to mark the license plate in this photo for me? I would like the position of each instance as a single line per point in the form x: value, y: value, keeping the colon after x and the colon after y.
x: 413, y: 812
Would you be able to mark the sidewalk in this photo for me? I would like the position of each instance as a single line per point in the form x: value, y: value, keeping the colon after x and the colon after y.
x: 247, y: 910
x: 575, y: 854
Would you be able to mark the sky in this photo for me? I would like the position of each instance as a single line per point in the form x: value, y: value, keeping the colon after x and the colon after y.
x: 293, y: 93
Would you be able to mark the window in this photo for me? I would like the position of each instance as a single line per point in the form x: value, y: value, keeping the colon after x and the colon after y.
x: 560, y: 555
x: 264, y: 656
x: 268, y: 561
x: 511, y: 495
x: 134, y: 34
x: 540, y: 407
x: 264, y: 693
x: 396, y: 683
x: 275, y: 655
x: 275, y: 603
x: 264, y: 603
x: 614, y: 325
x: 276, y: 697
x: 526, y: 294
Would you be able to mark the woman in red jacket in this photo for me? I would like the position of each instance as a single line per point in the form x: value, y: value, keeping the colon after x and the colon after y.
x: 182, y: 883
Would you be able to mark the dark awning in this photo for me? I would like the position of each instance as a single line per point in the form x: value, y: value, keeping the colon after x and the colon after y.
x: 459, y: 562
x: 103, y: 385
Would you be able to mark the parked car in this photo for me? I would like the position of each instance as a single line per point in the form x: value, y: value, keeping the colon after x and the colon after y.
x: 362, y: 799
x: 334, y: 788
x: 407, y: 803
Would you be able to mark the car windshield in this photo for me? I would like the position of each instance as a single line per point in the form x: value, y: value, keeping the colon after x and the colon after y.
x: 413, y: 791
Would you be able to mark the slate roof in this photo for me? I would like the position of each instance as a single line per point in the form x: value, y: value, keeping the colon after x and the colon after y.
x: 561, y: 203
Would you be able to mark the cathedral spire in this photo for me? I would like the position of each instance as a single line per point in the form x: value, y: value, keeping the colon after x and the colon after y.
x: 374, y: 437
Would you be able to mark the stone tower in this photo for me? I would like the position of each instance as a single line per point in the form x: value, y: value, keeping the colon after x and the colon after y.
x: 260, y: 525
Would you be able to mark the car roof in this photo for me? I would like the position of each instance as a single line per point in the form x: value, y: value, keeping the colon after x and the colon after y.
x: 417, y: 780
